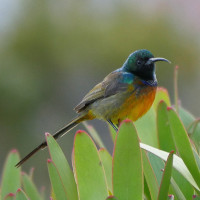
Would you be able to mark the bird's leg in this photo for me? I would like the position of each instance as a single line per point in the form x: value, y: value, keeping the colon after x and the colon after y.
x: 119, y: 122
x: 110, y: 122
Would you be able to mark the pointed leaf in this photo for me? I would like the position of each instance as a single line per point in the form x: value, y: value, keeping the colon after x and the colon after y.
x: 165, y: 137
x: 88, y: 168
x: 146, y: 190
x: 30, y: 188
x: 11, y: 175
x: 178, y: 163
x: 10, y: 196
x: 147, y: 133
x: 192, y: 126
x: 56, y: 182
x: 177, y: 190
x: 127, y: 164
x: 106, y: 160
x: 94, y: 135
x: 58, y: 157
x: 157, y: 165
x: 111, y: 198
x: 183, y: 145
x: 20, y: 195
x: 164, y: 186
x: 183, y: 184
x: 150, y: 176
x: 161, y: 95
x: 186, y: 117
x: 197, y: 158
x: 193, y: 132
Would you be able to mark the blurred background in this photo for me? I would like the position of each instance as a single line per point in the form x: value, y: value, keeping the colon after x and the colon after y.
x: 51, y: 54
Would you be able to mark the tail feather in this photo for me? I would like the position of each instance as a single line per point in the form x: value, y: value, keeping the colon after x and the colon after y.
x: 58, y: 134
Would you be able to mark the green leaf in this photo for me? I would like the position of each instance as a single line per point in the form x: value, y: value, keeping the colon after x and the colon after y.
x: 192, y: 125
x: 111, y: 198
x: 177, y: 190
x: 30, y: 188
x: 147, y: 133
x: 58, y: 157
x: 106, y: 160
x: 11, y: 175
x: 183, y: 184
x: 127, y: 164
x: 20, y: 195
x: 9, y: 196
x: 147, y: 195
x: 164, y: 186
x: 88, y: 169
x: 56, y: 181
x: 157, y: 165
x: 183, y: 145
x: 166, y: 140
x: 186, y: 117
x: 178, y: 163
x: 195, y: 136
x: 94, y: 135
x: 150, y: 176
x: 197, y: 158
x: 161, y: 95
x: 193, y: 131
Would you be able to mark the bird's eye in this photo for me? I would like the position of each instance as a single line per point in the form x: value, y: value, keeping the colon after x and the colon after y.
x: 139, y: 63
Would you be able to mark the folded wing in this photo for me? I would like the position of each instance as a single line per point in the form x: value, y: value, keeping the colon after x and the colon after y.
x: 113, y: 83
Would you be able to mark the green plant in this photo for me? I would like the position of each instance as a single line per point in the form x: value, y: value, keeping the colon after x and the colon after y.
x: 139, y: 168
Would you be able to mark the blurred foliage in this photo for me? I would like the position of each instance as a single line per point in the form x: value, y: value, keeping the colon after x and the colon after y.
x: 55, y: 52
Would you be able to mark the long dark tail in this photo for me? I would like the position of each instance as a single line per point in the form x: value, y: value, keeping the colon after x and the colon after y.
x: 58, y: 134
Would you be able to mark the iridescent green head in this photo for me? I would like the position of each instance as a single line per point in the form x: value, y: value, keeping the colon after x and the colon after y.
x: 142, y: 64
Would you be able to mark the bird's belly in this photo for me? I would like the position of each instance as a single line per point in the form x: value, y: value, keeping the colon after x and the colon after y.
x: 136, y: 105
x: 125, y: 105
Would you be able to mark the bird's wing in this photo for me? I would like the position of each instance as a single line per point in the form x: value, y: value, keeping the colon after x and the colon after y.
x: 113, y: 83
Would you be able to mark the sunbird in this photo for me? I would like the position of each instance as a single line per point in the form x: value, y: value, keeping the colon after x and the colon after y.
x: 127, y: 92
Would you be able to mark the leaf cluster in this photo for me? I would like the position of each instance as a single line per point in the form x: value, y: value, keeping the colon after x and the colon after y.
x: 155, y: 158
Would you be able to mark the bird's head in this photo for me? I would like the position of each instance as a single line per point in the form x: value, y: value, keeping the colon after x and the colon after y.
x: 142, y: 64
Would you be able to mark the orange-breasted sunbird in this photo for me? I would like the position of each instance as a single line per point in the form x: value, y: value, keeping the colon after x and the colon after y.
x: 127, y: 92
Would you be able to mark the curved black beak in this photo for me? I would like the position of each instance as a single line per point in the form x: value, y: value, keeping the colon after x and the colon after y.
x: 152, y: 60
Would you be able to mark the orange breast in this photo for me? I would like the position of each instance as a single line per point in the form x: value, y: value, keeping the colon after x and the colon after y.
x: 136, y: 105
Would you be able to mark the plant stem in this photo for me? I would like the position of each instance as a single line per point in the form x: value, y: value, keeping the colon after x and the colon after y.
x: 176, y: 88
